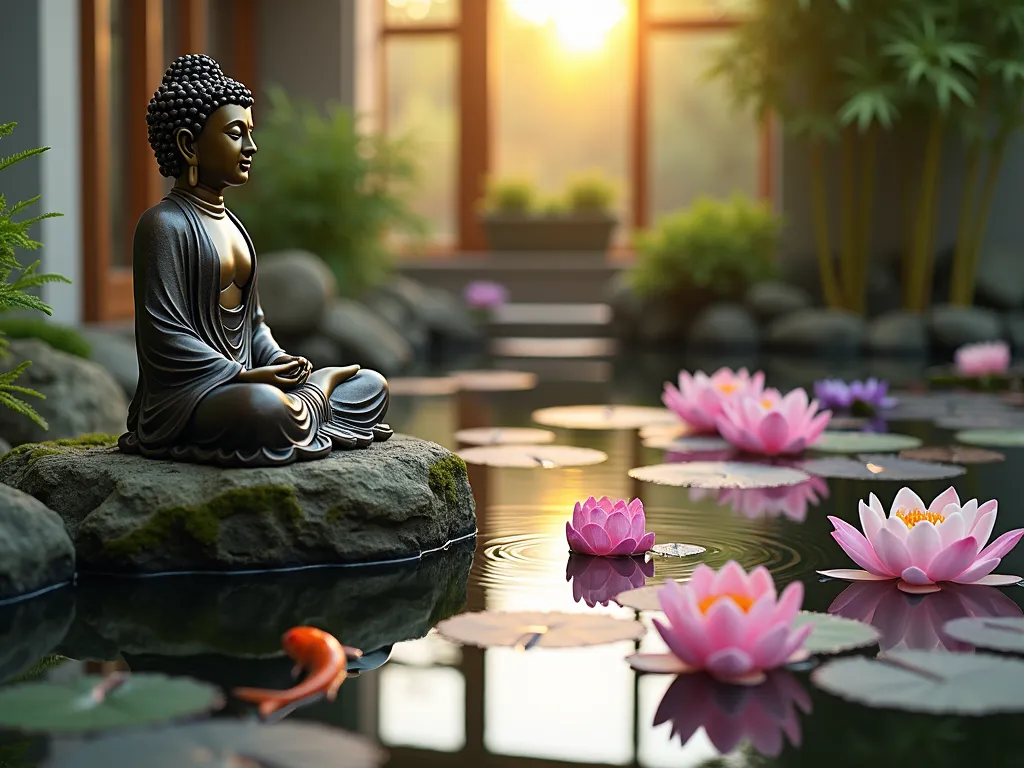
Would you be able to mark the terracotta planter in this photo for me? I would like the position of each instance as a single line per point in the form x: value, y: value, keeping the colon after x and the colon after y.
x: 509, y: 232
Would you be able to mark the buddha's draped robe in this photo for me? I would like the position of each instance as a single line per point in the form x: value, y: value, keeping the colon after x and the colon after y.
x: 188, y: 405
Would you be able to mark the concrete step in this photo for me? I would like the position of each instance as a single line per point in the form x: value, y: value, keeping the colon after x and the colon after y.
x: 541, y: 319
x: 554, y: 347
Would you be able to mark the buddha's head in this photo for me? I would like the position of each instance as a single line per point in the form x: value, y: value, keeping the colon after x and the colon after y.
x: 200, y: 124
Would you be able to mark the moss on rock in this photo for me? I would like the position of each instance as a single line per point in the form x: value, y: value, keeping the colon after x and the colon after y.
x: 201, y: 522
x: 443, y: 477
x: 38, y: 451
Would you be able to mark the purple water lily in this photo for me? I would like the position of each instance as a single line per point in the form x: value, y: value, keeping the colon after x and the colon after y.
x: 863, y: 398
x: 484, y: 294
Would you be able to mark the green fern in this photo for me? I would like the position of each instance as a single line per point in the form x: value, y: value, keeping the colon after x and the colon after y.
x: 14, y: 293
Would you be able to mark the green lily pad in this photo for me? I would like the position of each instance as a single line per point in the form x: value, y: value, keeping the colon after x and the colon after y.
x: 995, y: 438
x: 228, y: 742
x: 694, y: 444
x: 936, y: 682
x: 528, y: 629
x: 863, y: 442
x: 678, y: 550
x: 504, y: 436
x: 953, y: 454
x: 605, y: 417
x: 532, y: 456
x: 997, y: 422
x: 835, y: 634
x: 880, y: 467
x: 1000, y: 634
x: 719, y: 474
x: 93, y: 703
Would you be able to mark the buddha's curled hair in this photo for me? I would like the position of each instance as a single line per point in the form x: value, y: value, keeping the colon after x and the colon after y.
x: 192, y: 89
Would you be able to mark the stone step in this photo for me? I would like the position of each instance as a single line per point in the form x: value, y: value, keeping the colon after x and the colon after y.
x: 551, y: 320
x: 557, y: 347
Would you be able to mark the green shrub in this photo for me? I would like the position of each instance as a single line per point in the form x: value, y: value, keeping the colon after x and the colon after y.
x: 554, y: 206
x: 590, y: 193
x: 718, y: 246
x: 322, y: 184
x: 14, y: 236
x: 513, y: 196
x: 61, y: 337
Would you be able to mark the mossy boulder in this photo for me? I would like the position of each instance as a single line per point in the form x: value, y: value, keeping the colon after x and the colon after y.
x: 35, y: 551
x: 127, y: 514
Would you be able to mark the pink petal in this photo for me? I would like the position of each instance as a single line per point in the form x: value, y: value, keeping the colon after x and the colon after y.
x: 915, y: 576
x: 676, y: 642
x: 761, y: 583
x: 637, y: 526
x: 870, y: 520
x: 624, y: 548
x: 954, y: 560
x: 923, y: 544
x: 579, y: 517
x: 576, y: 542
x: 658, y: 663
x: 595, y: 536
x: 914, y: 589
x: 1001, y: 546
x: 701, y: 581
x: 774, y: 432
x: 789, y: 603
x: 980, y: 569
x: 769, y: 646
x: 598, y: 517
x: 906, y: 499
x: 948, y: 496
x: 817, y: 426
x: 645, y: 544
x: 725, y: 624
x: 730, y: 663
x: 892, y: 552
x: 952, y: 529
x: 635, y: 507
x: 606, y: 504
x: 853, y: 574
x: 796, y: 640
x: 998, y: 580
x: 731, y: 579
x: 856, y: 546
x: 617, y: 528
x: 983, y: 525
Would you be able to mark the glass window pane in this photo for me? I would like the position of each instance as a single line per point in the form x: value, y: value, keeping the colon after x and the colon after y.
x: 696, y: 9
x: 561, y: 94
x: 699, y: 144
x: 404, y: 13
x: 422, y: 104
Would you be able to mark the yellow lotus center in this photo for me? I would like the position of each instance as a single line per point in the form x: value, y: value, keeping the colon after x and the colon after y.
x: 727, y: 389
x: 743, y: 601
x: 767, y: 403
x: 912, y: 517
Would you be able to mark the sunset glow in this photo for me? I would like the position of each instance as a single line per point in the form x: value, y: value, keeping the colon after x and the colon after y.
x: 580, y: 25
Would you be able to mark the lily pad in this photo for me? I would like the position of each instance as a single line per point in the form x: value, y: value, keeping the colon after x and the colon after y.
x: 424, y: 386
x: 532, y: 456
x: 835, y: 634
x: 954, y: 454
x: 998, y: 438
x: 880, y: 467
x: 526, y: 630
x: 94, y: 703
x: 695, y: 444
x: 719, y: 474
x: 495, y: 381
x: 936, y: 682
x: 610, y: 417
x: 228, y: 742
x: 859, y: 442
x: 504, y: 436
x: 667, y: 431
x: 678, y: 550
x: 1000, y: 634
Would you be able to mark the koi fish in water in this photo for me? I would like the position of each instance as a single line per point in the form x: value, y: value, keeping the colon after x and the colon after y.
x: 316, y: 652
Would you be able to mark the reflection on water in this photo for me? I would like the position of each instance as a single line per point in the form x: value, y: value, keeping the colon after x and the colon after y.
x: 433, y: 703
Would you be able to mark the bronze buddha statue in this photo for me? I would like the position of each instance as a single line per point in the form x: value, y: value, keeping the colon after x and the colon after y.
x: 214, y: 385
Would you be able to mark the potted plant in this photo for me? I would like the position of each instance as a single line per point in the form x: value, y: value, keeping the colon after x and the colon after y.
x: 579, y: 220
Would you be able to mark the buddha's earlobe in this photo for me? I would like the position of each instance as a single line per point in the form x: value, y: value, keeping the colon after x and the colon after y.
x: 186, y: 146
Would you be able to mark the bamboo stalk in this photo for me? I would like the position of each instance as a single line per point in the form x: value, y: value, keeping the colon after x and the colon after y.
x: 864, y: 220
x: 966, y: 221
x: 921, y: 257
x: 819, y: 207
x: 988, y: 191
x: 847, y: 230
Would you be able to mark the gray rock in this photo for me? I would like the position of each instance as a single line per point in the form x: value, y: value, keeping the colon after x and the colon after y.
x: 898, y: 333
x: 725, y: 326
x: 818, y: 331
x: 364, y: 338
x: 31, y: 629
x: 443, y: 314
x: 771, y: 299
x: 1000, y: 280
x: 1013, y: 323
x: 81, y: 396
x: 397, y: 314
x: 35, y: 551
x: 129, y: 514
x: 117, y: 354
x: 4, y: 446
x: 951, y: 326
x: 295, y: 287
x: 367, y: 608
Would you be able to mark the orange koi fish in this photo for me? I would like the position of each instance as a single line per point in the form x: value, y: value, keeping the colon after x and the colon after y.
x: 314, y: 651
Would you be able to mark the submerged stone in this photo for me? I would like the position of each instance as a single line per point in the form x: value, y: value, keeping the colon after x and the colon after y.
x: 129, y: 514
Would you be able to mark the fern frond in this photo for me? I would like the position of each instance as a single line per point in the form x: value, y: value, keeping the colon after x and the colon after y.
x: 20, y: 406
x: 17, y: 157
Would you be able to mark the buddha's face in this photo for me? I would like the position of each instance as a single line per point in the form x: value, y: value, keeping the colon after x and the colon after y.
x: 225, y: 147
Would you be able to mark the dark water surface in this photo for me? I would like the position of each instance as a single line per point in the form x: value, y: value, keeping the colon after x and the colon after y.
x: 434, y: 703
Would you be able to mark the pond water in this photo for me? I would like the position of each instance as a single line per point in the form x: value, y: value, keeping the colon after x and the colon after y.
x: 431, y: 702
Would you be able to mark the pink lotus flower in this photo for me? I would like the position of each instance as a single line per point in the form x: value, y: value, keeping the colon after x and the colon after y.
x: 609, y: 529
x: 922, y: 546
x: 915, y: 622
x: 772, y: 425
x: 699, y: 398
x: 762, y: 714
x: 597, y: 580
x: 982, y: 359
x: 790, y: 501
x: 730, y: 624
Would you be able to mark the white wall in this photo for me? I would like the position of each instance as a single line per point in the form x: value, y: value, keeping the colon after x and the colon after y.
x: 61, y: 167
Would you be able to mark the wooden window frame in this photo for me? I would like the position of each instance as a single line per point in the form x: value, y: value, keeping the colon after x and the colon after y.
x: 107, y: 288
x: 474, y: 100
